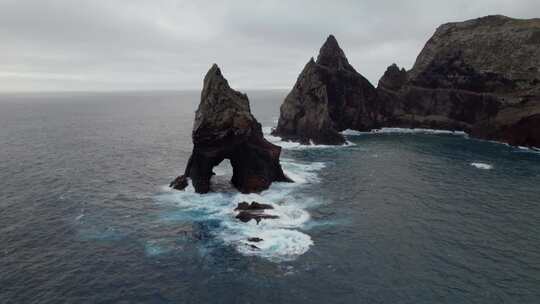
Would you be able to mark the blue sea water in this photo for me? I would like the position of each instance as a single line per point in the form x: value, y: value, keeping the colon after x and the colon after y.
x: 86, y: 217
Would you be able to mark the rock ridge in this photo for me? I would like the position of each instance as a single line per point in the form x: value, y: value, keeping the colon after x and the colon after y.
x: 481, y: 76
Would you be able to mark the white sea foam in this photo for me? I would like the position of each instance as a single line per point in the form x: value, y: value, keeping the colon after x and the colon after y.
x: 529, y: 149
x: 80, y: 216
x: 349, y: 132
x: 152, y: 248
x: 482, y: 166
x: 289, y: 243
x: 282, y: 238
x: 291, y: 145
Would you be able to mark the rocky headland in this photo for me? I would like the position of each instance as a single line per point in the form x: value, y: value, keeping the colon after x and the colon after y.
x: 224, y: 128
x: 480, y: 76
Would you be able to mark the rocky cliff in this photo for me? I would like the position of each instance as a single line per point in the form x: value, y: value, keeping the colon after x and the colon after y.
x: 480, y: 76
x: 328, y: 97
x: 224, y: 128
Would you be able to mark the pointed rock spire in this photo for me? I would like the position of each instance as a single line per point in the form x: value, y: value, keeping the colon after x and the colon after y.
x: 328, y: 97
x: 214, y: 76
x: 331, y: 55
x: 224, y: 128
x: 218, y: 98
x: 393, y: 79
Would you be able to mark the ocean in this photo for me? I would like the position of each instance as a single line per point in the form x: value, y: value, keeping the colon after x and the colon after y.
x: 394, y: 216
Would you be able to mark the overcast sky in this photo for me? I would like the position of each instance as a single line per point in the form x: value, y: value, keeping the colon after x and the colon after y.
x: 49, y: 45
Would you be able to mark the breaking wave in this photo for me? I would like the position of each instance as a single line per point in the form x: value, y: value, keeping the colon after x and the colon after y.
x: 528, y: 149
x: 482, y: 166
x: 277, y: 240
x: 349, y: 132
x: 291, y: 145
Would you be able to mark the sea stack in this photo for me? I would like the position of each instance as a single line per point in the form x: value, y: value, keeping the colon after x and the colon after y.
x: 224, y: 128
x: 481, y: 76
x: 329, y: 96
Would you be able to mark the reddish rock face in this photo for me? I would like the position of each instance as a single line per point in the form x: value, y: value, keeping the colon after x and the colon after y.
x: 224, y: 128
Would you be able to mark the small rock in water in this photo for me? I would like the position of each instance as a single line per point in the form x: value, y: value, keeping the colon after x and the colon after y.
x: 253, y: 206
x: 179, y: 183
x: 246, y: 216
x: 253, y: 211
x: 255, y: 240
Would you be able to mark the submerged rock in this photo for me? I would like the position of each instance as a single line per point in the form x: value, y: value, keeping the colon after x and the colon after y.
x: 328, y: 97
x: 253, y: 247
x: 224, y: 128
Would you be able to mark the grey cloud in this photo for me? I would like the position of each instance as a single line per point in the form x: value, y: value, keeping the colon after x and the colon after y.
x: 165, y: 44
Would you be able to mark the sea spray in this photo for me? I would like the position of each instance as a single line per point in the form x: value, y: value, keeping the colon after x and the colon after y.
x: 280, y: 239
x: 291, y: 145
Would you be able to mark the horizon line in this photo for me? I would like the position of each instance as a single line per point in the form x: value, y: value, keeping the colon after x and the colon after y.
x: 132, y: 91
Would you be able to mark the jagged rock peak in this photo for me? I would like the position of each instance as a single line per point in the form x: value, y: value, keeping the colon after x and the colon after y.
x: 329, y: 96
x: 394, y: 78
x: 224, y: 128
x: 331, y: 44
x: 332, y: 56
x: 394, y: 68
x: 221, y: 108
x: 214, y: 75
x: 215, y: 81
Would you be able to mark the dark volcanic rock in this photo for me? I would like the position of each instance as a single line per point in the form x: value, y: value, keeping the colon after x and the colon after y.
x: 491, y: 46
x: 328, y: 97
x: 394, y: 78
x: 253, y: 247
x: 253, y: 211
x: 254, y: 206
x: 514, y: 125
x: 224, y: 128
x: 180, y: 182
x: 480, y: 76
x: 246, y: 216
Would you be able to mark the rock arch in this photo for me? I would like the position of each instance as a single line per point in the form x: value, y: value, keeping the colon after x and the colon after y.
x: 224, y: 128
